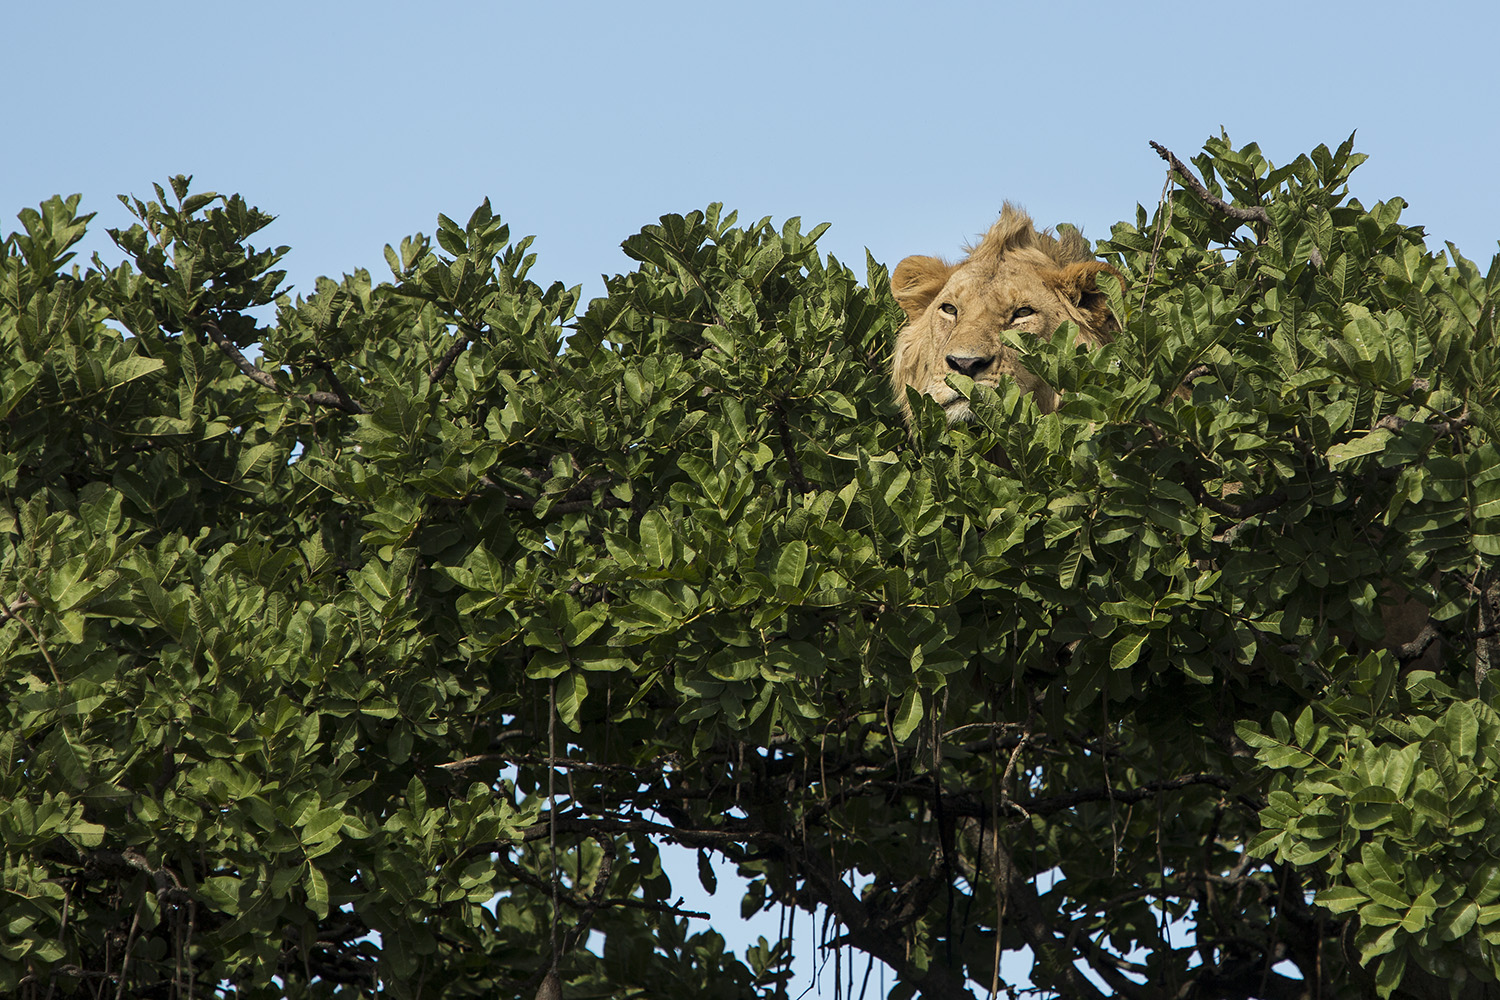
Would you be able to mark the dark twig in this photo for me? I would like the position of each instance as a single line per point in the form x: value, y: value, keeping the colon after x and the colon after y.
x: 794, y: 464
x: 596, y: 900
x: 337, y: 401
x: 1238, y: 511
x: 168, y: 885
x: 241, y: 362
x: 1127, y: 796
x: 345, y: 402
x: 447, y: 361
x: 1164, y: 220
x: 1440, y: 428
x: 1194, y: 185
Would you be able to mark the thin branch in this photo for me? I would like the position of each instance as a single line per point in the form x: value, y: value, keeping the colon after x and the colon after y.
x: 1037, y: 925
x: 345, y: 402
x: 1164, y: 220
x: 1194, y: 185
x: 596, y: 900
x: 687, y: 265
x: 607, y: 502
x: 21, y: 604
x: 1413, y: 650
x: 264, y: 378
x: 168, y: 885
x: 794, y: 464
x: 237, y: 356
x: 1238, y: 511
x: 595, y: 825
x: 466, y: 337
x: 1195, y: 373
x: 9, y: 612
x: 1441, y: 428
x: 567, y: 763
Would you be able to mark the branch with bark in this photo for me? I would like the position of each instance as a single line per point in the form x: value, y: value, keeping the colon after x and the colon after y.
x: 338, y: 400
x: 1196, y: 186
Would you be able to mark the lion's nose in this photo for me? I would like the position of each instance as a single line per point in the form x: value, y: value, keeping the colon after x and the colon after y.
x: 969, y: 364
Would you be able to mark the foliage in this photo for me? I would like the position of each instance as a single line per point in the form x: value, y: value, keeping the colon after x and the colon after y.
x: 390, y: 659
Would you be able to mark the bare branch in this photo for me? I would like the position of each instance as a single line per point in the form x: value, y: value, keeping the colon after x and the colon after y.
x: 237, y: 356
x: 794, y: 464
x: 1238, y: 511
x: 335, y: 400
x: 465, y: 337
x: 1194, y: 185
x: 344, y: 401
x: 1441, y: 428
x: 596, y: 899
x: 1039, y: 928
x: 21, y: 604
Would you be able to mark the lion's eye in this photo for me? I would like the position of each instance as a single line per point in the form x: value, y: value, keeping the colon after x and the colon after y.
x: 1022, y: 312
x: 949, y: 308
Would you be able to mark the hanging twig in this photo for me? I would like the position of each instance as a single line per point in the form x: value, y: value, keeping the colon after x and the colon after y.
x: 552, y: 810
x: 1163, y: 222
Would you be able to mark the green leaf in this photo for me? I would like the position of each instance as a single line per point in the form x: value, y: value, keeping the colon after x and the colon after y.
x: 1456, y: 921
x: 316, y: 886
x: 908, y: 715
x: 1124, y: 653
x: 1370, y: 444
x: 656, y: 539
x: 572, y: 689
x: 321, y: 825
x: 1341, y: 899
x: 132, y: 368
x: 791, y: 564
x: 706, y: 876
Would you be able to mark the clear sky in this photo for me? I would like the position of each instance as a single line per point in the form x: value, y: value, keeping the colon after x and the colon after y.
x: 905, y: 125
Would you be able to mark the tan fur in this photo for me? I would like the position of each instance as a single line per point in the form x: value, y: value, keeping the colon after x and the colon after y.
x: 957, y: 312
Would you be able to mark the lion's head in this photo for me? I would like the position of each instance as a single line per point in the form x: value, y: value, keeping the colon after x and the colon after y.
x: 1015, y: 279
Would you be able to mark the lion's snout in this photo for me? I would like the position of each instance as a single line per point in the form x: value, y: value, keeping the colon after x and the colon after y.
x: 969, y: 364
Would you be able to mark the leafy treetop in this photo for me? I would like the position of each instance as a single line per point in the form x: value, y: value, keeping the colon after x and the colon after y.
x: 389, y: 659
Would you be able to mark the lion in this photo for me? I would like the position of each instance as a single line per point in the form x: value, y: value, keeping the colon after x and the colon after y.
x: 1016, y: 279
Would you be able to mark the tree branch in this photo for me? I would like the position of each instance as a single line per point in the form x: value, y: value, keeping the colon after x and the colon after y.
x: 794, y: 464
x: 1238, y: 511
x: 25, y: 601
x: 1036, y: 925
x: 596, y: 899
x: 1440, y: 428
x: 337, y: 401
x: 437, y: 371
x: 1194, y: 185
x: 344, y: 401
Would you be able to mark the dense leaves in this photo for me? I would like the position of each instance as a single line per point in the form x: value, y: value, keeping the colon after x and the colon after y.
x: 389, y: 655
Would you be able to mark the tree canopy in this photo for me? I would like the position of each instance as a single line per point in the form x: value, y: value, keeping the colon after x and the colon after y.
x: 387, y: 656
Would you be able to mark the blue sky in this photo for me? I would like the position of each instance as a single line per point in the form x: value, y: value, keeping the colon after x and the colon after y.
x: 905, y: 125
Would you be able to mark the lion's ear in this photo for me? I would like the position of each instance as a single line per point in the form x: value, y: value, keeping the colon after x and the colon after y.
x: 917, y: 281
x: 1079, y: 284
